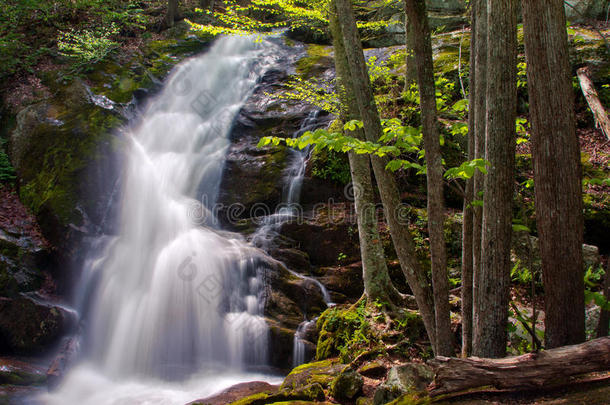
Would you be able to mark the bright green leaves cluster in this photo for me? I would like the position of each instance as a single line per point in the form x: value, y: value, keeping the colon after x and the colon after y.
x: 236, y: 19
x: 467, y: 169
x: 592, y: 280
x: 397, y: 141
x: 311, y: 92
x: 87, y: 46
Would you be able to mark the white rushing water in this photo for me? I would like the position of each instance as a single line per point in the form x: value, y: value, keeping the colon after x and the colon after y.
x: 175, y: 308
x: 290, y: 210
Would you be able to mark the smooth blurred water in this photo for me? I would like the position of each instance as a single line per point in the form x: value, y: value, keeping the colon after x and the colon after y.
x: 174, y: 308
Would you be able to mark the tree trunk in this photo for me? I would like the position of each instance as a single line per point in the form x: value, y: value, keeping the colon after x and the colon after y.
x: 416, y: 13
x: 529, y: 371
x: 411, y: 69
x: 491, y: 305
x: 468, y: 216
x: 172, y: 12
x: 377, y: 283
x: 599, y: 112
x: 480, y: 111
x: 388, y: 190
x: 604, y: 316
x: 557, y: 178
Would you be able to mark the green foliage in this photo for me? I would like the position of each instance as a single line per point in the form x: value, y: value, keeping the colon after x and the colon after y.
x: 344, y: 332
x: 30, y: 28
x: 7, y: 172
x: 592, y: 280
x: 87, y: 46
x: 331, y: 165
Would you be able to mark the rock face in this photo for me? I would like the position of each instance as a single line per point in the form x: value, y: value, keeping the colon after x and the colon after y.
x: 346, y: 385
x: 27, y: 327
x: 237, y: 392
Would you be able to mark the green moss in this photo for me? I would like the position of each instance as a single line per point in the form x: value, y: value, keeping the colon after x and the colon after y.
x: 412, y: 399
x: 317, y: 61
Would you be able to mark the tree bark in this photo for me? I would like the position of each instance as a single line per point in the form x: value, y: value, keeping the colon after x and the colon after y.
x: 417, y: 15
x: 604, y: 316
x: 377, y: 283
x: 529, y: 371
x: 480, y: 111
x: 171, y: 13
x: 468, y: 216
x: 388, y: 190
x: 493, y: 283
x: 599, y: 112
x: 411, y: 69
x: 557, y: 177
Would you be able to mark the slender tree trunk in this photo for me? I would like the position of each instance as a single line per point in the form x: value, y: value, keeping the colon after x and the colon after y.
x: 416, y: 13
x: 479, y: 116
x: 171, y: 13
x: 468, y: 216
x: 377, y: 283
x: 490, y: 332
x: 604, y: 316
x: 388, y: 190
x: 411, y: 69
x: 557, y: 178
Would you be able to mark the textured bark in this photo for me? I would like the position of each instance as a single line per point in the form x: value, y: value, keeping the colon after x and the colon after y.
x: 388, y: 190
x: 530, y: 371
x: 467, y: 223
x: 411, y: 69
x: 557, y: 178
x: 599, y: 112
x: 417, y: 15
x: 493, y: 283
x: 377, y: 283
x: 171, y: 13
x: 479, y: 124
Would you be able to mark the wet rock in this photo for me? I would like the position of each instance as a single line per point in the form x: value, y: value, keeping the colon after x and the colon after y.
x: 15, y: 372
x: 343, y: 282
x: 23, y: 262
x: 325, y: 243
x: 293, y: 258
x: 236, y: 392
x: 346, y: 385
x: 403, y: 379
x: 29, y: 327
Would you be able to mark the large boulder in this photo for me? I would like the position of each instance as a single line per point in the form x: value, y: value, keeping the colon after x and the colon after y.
x: 30, y: 327
x: 346, y: 385
x: 410, y: 377
x: 578, y: 11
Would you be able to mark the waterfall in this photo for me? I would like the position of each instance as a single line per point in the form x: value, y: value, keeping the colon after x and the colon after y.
x: 290, y: 210
x: 167, y: 298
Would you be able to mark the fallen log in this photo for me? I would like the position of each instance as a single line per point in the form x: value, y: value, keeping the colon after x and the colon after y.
x: 599, y: 112
x: 529, y: 371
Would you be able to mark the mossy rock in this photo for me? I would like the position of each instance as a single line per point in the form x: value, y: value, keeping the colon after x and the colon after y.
x: 310, y: 392
x: 319, y: 372
x: 317, y: 61
x: 346, y: 385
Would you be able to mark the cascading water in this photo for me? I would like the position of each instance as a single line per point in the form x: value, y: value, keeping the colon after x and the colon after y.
x: 290, y: 210
x: 172, y: 301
